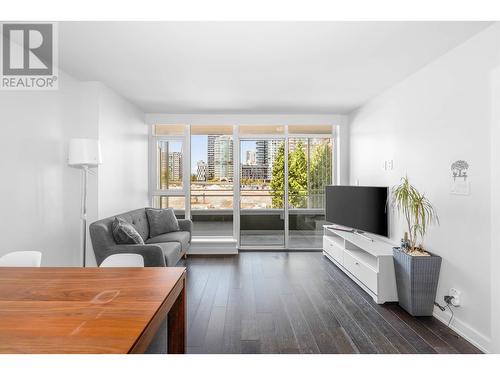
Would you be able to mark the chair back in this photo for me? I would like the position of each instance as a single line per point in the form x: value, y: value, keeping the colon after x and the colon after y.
x: 123, y: 260
x: 21, y: 259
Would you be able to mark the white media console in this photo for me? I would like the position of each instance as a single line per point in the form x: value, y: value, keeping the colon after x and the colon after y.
x: 367, y: 262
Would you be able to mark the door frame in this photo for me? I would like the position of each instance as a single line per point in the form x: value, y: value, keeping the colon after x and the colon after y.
x: 252, y: 137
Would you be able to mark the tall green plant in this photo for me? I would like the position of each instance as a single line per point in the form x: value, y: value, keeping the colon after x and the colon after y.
x: 278, y: 178
x: 416, y: 209
x: 297, y: 177
x: 321, y: 173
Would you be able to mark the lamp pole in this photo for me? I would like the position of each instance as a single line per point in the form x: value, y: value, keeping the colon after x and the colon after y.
x: 84, y: 153
x: 85, y: 170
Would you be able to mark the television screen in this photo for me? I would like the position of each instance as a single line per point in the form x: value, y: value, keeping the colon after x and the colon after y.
x: 358, y: 207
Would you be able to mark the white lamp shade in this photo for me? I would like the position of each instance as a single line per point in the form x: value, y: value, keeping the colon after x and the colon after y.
x: 84, y: 151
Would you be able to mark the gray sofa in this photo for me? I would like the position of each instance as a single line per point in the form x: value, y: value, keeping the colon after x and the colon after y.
x: 163, y: 250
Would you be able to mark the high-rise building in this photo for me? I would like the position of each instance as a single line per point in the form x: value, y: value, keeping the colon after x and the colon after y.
x: 261, y: 153
x: 223, y: 158
x: 201, y: 171
x: 163, y: 166
x: 210, y: 156
x: 266, y: 154
x: 175, y: 166
x: 250, y: 157
x: 272, y: 154
x: 170, y: 166
x: 254, y: 172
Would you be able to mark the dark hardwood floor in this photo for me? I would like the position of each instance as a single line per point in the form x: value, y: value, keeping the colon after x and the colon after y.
x: 298, y: 302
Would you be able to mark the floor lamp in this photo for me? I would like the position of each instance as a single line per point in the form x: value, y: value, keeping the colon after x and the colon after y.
x: 84, y: 153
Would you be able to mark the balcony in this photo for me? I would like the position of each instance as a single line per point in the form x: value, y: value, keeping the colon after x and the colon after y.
x: 262, y: 227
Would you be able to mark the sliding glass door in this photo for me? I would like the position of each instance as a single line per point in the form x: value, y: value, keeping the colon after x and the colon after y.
x: 259, y: 185
x: 262, y: 193
x: 309, y: 171
x: 211, y: 181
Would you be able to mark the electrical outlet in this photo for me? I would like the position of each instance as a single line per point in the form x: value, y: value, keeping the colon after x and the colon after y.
x: 455, y: 293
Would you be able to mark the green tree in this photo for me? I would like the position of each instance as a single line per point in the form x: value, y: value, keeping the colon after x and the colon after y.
x: 321, y: 173
x: 297, y: 177
x: 278, y: 177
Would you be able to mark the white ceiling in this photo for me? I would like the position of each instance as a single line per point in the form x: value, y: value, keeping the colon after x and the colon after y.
x: 253, y: 67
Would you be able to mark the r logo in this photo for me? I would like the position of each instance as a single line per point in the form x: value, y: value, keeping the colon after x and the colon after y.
x: 27, y: 49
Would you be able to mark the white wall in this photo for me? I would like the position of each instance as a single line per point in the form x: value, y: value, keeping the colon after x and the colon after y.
x: 436, y: 116
x: 122, y: 179
x: 495, y: 209
x: 39, y: 193
x: 123, y: 176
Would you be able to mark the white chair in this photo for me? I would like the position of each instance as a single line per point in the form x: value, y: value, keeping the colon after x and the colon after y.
x: 123, y: 260
x: 21, y: 259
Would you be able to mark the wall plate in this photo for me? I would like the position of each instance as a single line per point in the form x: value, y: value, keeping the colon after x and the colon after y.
x: 460, y: 187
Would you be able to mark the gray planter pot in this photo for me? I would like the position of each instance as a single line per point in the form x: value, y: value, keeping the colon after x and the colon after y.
x: 416, y: 278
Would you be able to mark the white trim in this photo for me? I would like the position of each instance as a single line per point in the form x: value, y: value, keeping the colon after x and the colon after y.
x: 236, y: 185
x: 467, y: 332
x: 256, y: 137
x: 186, y: 171
x: 215, y: 246
x: 213, y: 240
x: 285, y: 184
x: 251, y: 137
x: 336, y: 155
x: 151, y: 162
x: 153, y: 167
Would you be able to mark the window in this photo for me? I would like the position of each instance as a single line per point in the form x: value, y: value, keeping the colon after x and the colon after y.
x: 168, y: 155
x: 170, y: 164
x: 212, y: 176
x: 175, y: 202
x: 169, y: 130
x: 262, y: 129
x: 309, y: 171
x: 262, y: 190
x: 260, y: 184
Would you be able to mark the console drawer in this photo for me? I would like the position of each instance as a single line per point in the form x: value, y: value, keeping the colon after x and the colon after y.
x: 361, y: 271
x: 333, y: 249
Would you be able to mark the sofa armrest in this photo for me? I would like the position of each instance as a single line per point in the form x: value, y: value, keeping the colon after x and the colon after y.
x: 187, y: 226
x: 153, y: 255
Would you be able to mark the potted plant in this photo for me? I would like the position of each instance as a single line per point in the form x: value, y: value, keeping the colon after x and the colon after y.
x: 417, y: 271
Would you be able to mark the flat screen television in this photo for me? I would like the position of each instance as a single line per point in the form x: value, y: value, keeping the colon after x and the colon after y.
x: 362, y: 208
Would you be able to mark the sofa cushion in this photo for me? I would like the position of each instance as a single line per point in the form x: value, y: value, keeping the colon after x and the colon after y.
x: 125, y: 233
x: 171, y: 252
x: 161, y: 221
x: 180, y: 237
x: 139, y: 220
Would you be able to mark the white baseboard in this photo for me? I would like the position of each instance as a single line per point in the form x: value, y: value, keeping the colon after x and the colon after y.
x: 213, y: 247
x: 212, y: 251
x: 477, y: 339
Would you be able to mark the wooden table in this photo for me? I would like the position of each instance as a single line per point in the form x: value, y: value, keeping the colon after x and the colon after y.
x: 90, y: 310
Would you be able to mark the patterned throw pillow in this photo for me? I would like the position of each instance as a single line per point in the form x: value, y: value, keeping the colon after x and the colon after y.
x: 124, y: 233
x: 161, y: 221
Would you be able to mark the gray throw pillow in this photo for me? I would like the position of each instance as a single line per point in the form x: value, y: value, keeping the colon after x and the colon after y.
x: 125, y: 233
x: 161, y: 221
